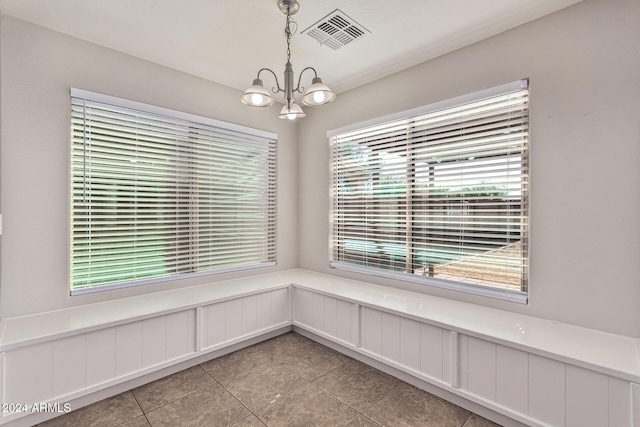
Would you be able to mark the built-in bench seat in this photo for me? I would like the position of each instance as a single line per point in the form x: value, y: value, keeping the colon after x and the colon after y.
x: 534, y: 371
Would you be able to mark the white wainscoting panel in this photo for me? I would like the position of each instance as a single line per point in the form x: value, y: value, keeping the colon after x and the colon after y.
x: 249, y: 314
x: 635, y: 404
x: 2, y: 378
x: 587, y: 398
x: 371, y: 330
x: 181, y: 334
x: 461, y: 360
x: 154, y: 341
x: 128, y: 348
x: 547, y: 390
x: 447, y: 356
x: 214, y: 319
x: 410, y: 344
x: 281, y: 310
x: 303, y: 307
x: 272, y: 308
x: 619, y: 402
x: 432, y: 339
x: 353, y: 334
x: 101, y: 356
x: 317, y: 312
x: 390, y: 337
x: 330, y: 316
x: 69, y: 365
x: 28, y: 374
x: 481, y: 368
x: 233, y: 320
x: 265, y: 314
x: 512, y: 379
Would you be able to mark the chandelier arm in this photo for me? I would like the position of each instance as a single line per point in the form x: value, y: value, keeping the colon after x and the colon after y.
x: 301, y: 89
x: 273, y: 89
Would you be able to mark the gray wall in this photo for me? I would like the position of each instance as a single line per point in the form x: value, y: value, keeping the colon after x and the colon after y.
x: 39, y: 66
x: 584, y: 68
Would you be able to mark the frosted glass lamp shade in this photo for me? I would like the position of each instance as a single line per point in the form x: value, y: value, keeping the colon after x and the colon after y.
x: 293, y: 112
x: 257, y: 95
x: 318, y: 93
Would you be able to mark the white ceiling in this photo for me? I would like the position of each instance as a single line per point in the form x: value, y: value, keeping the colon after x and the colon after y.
x: 228, y: 41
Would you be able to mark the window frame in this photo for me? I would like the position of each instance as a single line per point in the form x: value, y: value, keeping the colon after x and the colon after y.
x: 203, y: 125
x: 482, y: 290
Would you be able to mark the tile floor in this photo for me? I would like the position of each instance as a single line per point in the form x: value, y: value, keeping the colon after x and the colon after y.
x: 285, y: 381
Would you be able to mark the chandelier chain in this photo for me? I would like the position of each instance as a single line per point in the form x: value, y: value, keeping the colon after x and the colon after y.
x: 288, y: 33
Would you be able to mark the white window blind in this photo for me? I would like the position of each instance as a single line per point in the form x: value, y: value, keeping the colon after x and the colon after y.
x: 437, y: 196
x: 159, y: 194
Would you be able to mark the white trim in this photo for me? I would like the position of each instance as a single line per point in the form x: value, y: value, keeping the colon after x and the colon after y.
x: 94, y: 289
x: 199, y: 329
x: 458, y: 100
x: 126, y: 103
x: 635, y: 404
x: 483, y: 291
x: 455, y: 359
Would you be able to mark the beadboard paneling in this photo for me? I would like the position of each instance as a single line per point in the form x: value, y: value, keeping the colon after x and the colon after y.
x: 547, y: 390
x: 432, y: 354
x: 410, y: 344
x: 390, y: 339
x: 249, y: 320
x: 69, y: 365
x: 512, y: 379
x: 28, y: 374
x: 587, y: 398
x: 303, y: 306
x: 181, y: 334
x: 635, y: 404
x: 371, y: 330
x: 481, y: 368
x: 154, y: 341
x: 128, y: 348
x: 101, y: 356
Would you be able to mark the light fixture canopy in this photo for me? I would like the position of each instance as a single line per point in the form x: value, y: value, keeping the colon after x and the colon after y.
x: 317, y: 94
x: 289, y: 7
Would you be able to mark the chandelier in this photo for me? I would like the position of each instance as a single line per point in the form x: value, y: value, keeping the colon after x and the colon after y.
x: 317, y: 94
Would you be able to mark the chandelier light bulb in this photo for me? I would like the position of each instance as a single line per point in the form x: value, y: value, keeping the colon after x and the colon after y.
x: 257, y: 99
x: 318, y: 97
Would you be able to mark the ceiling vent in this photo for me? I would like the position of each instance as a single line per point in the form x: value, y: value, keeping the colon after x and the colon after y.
x: 336, y: 30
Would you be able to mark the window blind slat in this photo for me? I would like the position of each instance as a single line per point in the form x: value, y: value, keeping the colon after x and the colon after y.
x: 155, y: 196
x: 441, y: 195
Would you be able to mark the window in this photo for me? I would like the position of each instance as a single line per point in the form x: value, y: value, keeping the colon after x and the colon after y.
x: 159, y: 194
x: 437, y: 195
